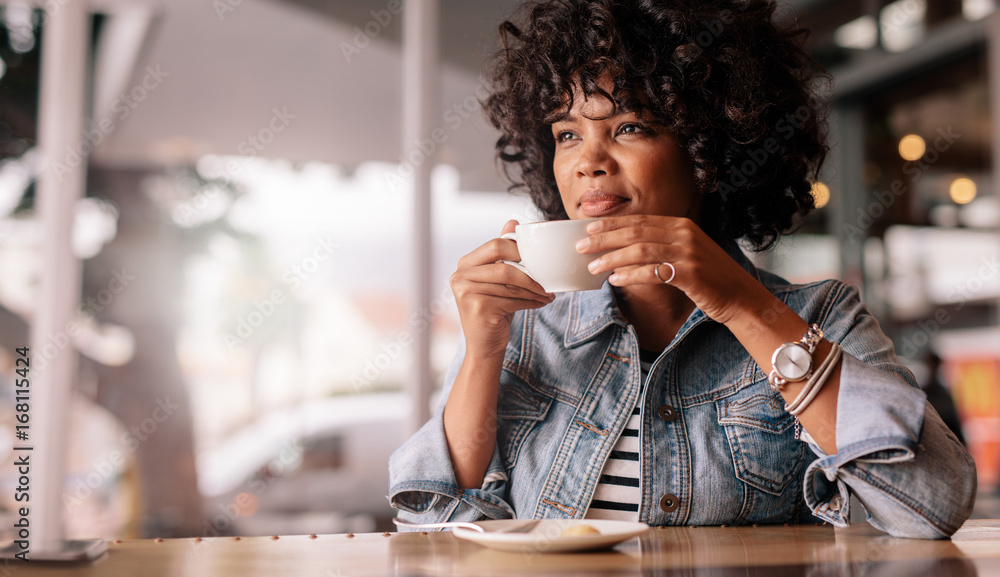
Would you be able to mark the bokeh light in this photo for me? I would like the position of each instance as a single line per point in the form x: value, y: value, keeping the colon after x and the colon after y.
x: 912, y: 147
x: 821, y: 194
x: 962, y: 190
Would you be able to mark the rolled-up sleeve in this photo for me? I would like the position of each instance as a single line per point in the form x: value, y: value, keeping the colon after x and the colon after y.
x: 422, y: 483
x: 914, y: 478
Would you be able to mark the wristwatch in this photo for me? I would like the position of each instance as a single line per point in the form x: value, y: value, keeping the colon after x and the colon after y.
x: 793, y: 361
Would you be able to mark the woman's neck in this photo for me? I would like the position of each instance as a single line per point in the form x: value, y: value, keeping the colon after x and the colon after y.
x: 656, y: 311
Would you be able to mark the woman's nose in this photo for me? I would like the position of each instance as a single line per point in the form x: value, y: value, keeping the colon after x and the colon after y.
x: 594, y: 159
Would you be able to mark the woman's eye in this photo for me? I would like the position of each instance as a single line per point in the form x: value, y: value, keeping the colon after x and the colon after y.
x: 631, y: 128
x: 563, y: 136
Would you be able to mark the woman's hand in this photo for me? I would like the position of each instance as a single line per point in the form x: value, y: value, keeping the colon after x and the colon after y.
x: 639, y: 244
x: 488, y: 292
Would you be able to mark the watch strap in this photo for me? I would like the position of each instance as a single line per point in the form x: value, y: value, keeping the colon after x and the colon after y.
x: 812, y: 337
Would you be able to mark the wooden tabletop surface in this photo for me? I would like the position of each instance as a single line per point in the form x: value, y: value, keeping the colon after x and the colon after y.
x: 765, y: 550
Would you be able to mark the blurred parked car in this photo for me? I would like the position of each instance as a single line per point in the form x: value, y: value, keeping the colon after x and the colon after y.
x: 317, y: 468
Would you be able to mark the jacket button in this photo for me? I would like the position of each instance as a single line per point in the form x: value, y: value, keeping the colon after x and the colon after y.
x: 667, y: 413
x: 669, y: 503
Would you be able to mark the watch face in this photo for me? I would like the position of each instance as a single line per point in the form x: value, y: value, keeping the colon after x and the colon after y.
x: 792, y: 361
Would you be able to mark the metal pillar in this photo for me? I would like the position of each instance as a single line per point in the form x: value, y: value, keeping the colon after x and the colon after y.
x: 847, y: 123
x: 420, y: 82
x: 53, y: 361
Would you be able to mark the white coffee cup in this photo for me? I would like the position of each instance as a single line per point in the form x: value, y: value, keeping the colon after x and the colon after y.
x: 548, y: 255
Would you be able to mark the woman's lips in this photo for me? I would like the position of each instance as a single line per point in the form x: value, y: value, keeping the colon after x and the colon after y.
x: 599, y: 203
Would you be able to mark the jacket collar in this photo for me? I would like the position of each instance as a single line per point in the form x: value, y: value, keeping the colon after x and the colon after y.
x: 591, y: 312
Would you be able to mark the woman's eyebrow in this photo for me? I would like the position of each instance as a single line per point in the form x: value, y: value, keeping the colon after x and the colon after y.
x: 561, y: 118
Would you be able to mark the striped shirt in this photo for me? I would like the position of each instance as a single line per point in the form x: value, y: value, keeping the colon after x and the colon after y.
x: 618, y: 494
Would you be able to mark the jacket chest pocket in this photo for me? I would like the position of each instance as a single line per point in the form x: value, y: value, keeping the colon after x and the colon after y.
x: 519, y: 411
x: 765, y: 452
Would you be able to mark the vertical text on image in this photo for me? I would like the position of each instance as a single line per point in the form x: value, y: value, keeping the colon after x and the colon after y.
x: 22, y: 453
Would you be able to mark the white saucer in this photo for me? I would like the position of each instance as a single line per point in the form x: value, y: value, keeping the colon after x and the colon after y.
x: 547, y: 536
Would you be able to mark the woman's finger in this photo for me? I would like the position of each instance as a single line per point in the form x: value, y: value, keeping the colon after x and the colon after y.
x: 507, y: 301
x: 619, y: 232
x: 490, y: 252
x: 505, y: 291
x: 501, y: 275
x: 619, y: 238
x: 658, y: 273
x: 637, y: 254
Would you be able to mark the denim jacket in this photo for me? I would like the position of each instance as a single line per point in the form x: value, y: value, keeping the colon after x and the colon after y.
x: 717, y: 446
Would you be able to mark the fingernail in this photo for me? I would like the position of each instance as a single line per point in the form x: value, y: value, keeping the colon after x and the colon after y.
x: 595, y: 226
x: 613, y: 278
x: 582, y: 245
x: 594, y: 265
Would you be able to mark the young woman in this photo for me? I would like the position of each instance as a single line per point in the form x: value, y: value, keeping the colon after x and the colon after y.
x: 692, y: 388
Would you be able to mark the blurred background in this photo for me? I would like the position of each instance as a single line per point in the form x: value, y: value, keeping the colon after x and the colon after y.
x: 245, y: 325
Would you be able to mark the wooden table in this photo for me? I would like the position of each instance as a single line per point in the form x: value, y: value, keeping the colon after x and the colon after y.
x: 766, y: 550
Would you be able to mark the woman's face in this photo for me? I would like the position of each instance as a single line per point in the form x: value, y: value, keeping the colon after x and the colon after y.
x: 620, y: 165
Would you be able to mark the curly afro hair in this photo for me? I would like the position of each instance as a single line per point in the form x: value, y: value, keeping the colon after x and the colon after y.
x: 732, y: 87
